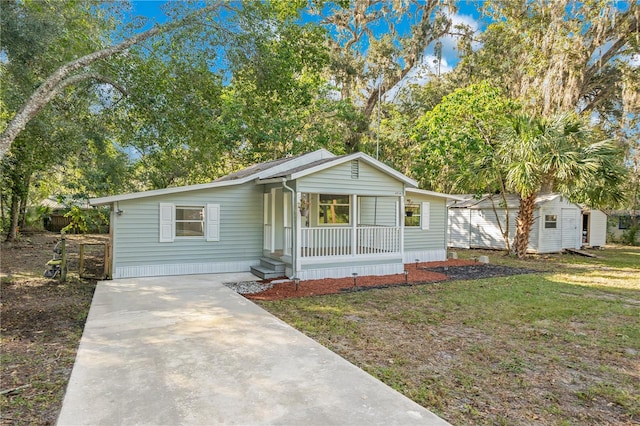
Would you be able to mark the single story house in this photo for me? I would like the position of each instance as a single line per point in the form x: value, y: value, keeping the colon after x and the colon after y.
x: 310, y: 216
x: 55, y: 220
x: 558, y: 223
x: 620, y: 222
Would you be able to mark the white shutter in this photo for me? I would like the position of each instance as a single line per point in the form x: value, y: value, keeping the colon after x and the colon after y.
x: 425, y: 214
x: 167, y: 222
x: 213, y: 222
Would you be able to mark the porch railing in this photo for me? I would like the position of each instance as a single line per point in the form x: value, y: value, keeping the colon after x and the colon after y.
x: 338, y: 241
x: 377, y: 239
x: 288, y: 240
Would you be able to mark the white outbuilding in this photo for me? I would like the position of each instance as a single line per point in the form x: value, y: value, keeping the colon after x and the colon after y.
x: 479, y: 222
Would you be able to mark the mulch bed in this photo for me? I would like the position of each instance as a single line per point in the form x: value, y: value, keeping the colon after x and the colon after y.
x: 418, y: 274
x: 478, y: 271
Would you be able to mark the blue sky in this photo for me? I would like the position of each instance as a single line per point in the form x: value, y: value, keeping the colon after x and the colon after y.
x: 468, y: 14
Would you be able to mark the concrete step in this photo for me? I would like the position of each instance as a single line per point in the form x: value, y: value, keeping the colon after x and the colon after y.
x: 274, y: 264
x: 265, y: 272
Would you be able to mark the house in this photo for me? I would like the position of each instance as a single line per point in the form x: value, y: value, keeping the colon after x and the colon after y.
x: 56, y: 219
x: 619, y: 225
x: 310, y: 216
x: 474, y: 223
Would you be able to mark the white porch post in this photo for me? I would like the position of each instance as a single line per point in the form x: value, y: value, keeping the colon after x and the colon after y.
x: 273, y: 221
x: 354, y: 223
x: 401, y: 224
x: 297, y: 259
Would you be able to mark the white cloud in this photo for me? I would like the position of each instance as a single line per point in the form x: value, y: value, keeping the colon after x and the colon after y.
x: 450, y: 42
x: 634, y: 60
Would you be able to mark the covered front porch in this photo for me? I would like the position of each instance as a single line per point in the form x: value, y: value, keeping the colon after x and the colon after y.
x: 344, y: 233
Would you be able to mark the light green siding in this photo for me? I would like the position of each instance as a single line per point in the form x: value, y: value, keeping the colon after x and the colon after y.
x: 378, y: 211
x: 435, y: 237
x: 136, y: 237
x: 339, y: 180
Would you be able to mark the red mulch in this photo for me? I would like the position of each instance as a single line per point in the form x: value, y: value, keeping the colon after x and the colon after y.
x: 287, y: 290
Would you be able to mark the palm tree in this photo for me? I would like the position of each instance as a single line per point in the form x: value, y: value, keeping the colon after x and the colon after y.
x: 542, y: 155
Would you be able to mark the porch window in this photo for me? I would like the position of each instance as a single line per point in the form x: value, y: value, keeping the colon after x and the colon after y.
x: 189, y: 221
x: 334, y: 209
x: 550, y: 221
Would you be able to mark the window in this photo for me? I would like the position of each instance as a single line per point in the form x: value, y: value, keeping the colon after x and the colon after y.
x: 417, y: 214
x: 189, y: 221
x: 334, y: 209
x: 550, y: 221
x: 624, y: 222
x: 412, y: 215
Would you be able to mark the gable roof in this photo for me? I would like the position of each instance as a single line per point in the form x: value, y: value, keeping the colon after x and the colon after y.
x: 325, y: 163
x: 247, y: 174
x: 269, y: 171
x: 469, y: 201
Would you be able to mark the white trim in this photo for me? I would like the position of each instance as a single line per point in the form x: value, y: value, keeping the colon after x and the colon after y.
x: 183, y: 269
x: 435, y: 255
x: 436, y: 194
x: 156, y: 192
x: 285, y: 165
x: 350, y: 258
x: 347, y: 271
x: 341, y: 160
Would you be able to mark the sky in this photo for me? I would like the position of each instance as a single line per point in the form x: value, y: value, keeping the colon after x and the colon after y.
x: 468, y: 14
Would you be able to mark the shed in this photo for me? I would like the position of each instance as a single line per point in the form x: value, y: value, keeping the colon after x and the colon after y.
x: 476, y: 222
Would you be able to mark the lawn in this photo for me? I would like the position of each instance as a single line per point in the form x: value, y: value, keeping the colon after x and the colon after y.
x: 560, y: 346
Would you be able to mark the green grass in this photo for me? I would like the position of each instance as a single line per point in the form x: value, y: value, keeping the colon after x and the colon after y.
x: 560, y: 346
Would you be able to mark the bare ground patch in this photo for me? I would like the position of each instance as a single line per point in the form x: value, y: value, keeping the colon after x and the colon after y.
x: 41, y: 322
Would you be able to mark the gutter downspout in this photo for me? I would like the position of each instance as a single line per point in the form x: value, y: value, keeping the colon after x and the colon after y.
x: 294, y: 227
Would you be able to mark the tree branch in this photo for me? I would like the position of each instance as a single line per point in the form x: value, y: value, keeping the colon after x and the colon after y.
x: 51, y: 86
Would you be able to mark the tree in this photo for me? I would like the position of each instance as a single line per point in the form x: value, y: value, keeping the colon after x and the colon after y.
x: 78, y: 70
x: 563, y: 57
x: 477, y: 140
x: 364, y: 67
x: 36, y: 36
x: 541, y: 155
x: 459, y: 142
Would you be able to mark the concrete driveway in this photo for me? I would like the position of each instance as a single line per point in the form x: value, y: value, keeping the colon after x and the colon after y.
x: 188, y: 350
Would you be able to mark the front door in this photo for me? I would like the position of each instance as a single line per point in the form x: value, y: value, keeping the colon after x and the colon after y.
x: 277, y: 222
x: 569, y: 228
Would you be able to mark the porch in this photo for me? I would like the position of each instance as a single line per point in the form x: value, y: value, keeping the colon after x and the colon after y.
x: 337, y: 229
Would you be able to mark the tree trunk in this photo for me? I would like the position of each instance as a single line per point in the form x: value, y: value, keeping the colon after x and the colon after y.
x: 14, y: 215
x: 22, y: 218
x: 524, y: 222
